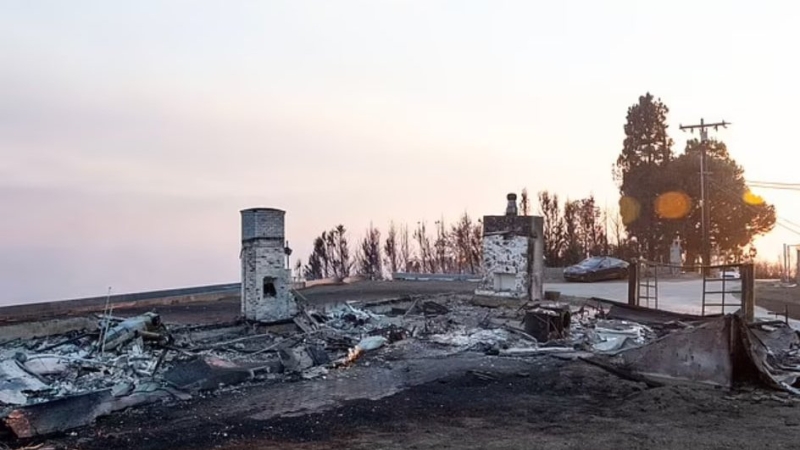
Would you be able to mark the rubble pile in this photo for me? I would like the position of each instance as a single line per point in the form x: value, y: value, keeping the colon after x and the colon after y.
x: 774, y: 348
x: 136, y: 360
x: 43, y: 369
x: 608, y: 335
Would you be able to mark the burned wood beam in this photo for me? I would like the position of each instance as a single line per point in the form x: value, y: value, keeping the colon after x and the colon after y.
x: 71, y: 412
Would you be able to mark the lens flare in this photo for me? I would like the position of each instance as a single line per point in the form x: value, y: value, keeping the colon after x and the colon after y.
x: 752, y: 199
x: 673, y: 205
x: 629, y: 209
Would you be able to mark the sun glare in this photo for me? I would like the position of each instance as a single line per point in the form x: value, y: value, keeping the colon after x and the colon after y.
x: 673, y: 205
x: 752, y: 199
x: 629, y: 209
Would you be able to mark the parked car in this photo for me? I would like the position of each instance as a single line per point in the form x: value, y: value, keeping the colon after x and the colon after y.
x: 731, y: 273
x: 597, y: 268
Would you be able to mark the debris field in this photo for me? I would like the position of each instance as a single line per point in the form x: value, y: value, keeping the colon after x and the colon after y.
x: 58, y: 385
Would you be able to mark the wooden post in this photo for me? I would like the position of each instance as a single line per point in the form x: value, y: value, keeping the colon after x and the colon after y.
x: 633, y: 283
x: 747, y: 274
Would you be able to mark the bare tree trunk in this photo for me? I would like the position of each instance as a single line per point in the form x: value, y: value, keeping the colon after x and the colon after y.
x: 369, y: 253
x: 405, y: 249
x: 525, y: 203
x: 440, y: 245
x: 343, y: 252
x: 427, y: 261
x: 476, y: 247
x: 390, y: 248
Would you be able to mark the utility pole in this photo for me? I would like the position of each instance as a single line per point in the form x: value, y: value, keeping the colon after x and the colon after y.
x: 797, y: 267
x: 785, y: 274
x: 704, y: 213
x: 605, y: 227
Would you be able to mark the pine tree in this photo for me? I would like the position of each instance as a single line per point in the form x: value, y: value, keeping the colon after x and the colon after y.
x: 640, y: 173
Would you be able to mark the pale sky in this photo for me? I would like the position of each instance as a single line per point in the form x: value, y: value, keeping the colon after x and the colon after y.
x: 132, y: 133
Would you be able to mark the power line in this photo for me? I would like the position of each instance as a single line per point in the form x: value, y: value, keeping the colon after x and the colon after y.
x: 783, y: 223
x: 786, y: 227
x: 780, y: 186
x: 774, y: 183
x: 791, y: 223
x: 778, y: 221
x: 777, y: 187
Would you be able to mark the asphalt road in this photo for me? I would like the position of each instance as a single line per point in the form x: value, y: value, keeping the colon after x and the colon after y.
x: 683, y: 296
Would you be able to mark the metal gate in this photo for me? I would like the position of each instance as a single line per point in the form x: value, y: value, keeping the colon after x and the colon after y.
x: 718, y: 291
x: 723, y: 286
x: 648, y: 284
x: 643, y: 284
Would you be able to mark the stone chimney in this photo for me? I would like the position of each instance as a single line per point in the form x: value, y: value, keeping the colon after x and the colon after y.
x: 266, y: 283
x: 511, y: 209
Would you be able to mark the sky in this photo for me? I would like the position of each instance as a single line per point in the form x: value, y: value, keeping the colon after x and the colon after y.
x: 132, y: 133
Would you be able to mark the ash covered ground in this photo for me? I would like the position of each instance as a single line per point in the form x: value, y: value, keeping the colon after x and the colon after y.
x: 443, y: 370
x: 539, y: 402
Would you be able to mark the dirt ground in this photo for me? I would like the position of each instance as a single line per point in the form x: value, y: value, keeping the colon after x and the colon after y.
x: 778, y: 298
x: 537, y: 402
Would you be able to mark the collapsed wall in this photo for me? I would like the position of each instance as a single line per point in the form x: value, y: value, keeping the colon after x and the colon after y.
x: 700, y: 354
x: 723, y: 351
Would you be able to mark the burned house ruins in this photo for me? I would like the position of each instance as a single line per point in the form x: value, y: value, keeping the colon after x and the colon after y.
x: 65, y: 365
x: 513, y: 255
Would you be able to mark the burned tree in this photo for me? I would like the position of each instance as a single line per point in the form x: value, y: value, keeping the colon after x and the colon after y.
x: 441, y: 247
x: 525, y: 203
x: 405, y: 255
x: 554, y: 230
x: 330, y: 256
x: 573, y: 248
x: 463, y: 245
x: 342, y: 253
x: 370, y: 260
x: 390, y: 249
x: 591, y: 229
x: 317, y: 266
x: 427, y: 261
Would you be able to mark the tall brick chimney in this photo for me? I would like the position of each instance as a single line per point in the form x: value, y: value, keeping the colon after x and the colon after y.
x: 266, y: 281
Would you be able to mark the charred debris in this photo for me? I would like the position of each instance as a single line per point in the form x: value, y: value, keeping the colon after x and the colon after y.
x: 57, y: 383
